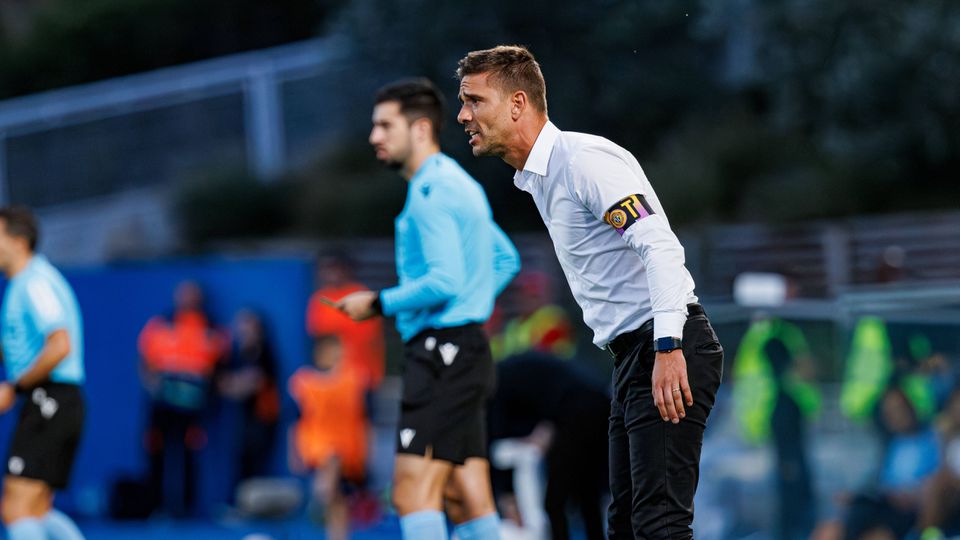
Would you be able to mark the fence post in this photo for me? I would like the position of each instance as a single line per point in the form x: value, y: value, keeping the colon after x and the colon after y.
x: 263, y: 123
x: 837, y: 260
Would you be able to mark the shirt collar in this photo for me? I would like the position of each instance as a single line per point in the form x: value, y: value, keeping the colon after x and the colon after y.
x: 539, y: 156
x: 540, y: 153
x: 428, y: 165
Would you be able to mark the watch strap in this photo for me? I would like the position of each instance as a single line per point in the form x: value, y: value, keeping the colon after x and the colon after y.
x: 667, y: 344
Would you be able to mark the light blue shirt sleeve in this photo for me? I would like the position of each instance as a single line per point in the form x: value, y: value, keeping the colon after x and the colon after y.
x: 506, y: 259
x: 442, y: 252
x: 43, y: 306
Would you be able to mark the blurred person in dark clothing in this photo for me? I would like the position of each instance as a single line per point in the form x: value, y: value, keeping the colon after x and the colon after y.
x: 789, y: 434
x: 534, y: 389
x: 180, y: 353
x: 249, y: 378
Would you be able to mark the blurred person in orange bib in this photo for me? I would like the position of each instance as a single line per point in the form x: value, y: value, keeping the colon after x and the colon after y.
x: 179, y: 355
x: 363, y: 346
x: 330, y: 439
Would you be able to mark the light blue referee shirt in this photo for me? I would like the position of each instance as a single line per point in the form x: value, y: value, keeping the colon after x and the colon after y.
x: 39, y: 301
x: 452, y: 259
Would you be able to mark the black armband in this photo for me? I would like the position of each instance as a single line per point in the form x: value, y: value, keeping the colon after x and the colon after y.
x: 626, y: 212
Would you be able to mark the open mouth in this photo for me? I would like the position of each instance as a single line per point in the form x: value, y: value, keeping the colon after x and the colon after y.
x: 474, y: 136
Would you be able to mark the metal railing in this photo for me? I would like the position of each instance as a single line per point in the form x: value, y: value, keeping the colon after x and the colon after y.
x: 262, y: 110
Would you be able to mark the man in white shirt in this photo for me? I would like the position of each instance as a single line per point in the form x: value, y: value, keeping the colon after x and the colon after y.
x: 626, y: 269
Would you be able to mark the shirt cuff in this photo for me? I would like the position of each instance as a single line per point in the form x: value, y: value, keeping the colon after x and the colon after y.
x: 386, y: 302
x: 669, y: 324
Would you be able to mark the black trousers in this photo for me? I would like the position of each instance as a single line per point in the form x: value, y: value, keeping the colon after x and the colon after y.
x: 655, y: 465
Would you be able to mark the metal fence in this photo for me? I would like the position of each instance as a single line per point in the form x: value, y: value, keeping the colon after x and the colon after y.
x: 264, y: 111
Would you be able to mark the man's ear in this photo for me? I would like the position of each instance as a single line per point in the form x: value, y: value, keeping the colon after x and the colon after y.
x: 423, y: 129
x: 518, y: 103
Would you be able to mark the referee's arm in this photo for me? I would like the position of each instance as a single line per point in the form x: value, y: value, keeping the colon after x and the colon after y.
x: 56, y: 347
x: 506, y: 259
x: 442, y: 248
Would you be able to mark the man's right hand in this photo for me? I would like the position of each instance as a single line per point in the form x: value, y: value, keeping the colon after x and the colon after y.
x: 8, y: 396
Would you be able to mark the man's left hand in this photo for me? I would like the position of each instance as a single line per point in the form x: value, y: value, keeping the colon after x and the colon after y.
x: 359, y: 305
x: 8, y: 396
x: 671, y: 390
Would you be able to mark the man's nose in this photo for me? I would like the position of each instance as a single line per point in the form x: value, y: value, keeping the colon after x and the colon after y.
x: 464, y: 116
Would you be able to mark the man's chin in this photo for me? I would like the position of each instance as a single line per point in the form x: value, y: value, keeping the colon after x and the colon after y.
x: 392, y: 164
x: 480, y: 151
x: 485, y: 151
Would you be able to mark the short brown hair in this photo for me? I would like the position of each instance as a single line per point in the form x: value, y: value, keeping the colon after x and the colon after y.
x: 418, y: 98
x: 20, y: 222
x: 513, y: 67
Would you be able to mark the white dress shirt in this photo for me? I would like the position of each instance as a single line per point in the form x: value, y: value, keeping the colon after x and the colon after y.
x: 621, y: 278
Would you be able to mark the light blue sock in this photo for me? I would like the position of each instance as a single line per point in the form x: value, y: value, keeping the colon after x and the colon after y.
x: 26, y: 529
x: 60, y: 527
x: 481, y: 528
x: 425, y: 525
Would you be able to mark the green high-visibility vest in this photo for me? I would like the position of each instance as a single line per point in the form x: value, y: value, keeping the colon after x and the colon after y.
x: 869, y: 367
x: 755, y: 386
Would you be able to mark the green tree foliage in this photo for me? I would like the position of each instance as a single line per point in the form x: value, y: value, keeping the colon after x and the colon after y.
x: 77, y: 41
x: 739, y: 110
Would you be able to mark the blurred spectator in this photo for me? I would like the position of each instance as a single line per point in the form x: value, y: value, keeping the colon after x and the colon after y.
x: 773, y: 398
x: 537, y: 395
x: 363, y: 346
x: 876, y: 361
x: 180, y: 353
x: 330, y: 439
x: 758, y: 381
x: 789, y: 429
x: 890, y: 509
x: 250, y: 379
x: 541, y: 326
x: 940, y: 506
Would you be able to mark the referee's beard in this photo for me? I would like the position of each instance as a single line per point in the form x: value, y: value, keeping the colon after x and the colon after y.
x: 393, y: 164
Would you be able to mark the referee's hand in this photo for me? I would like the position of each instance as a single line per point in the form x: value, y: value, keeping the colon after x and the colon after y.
x: 359, y: 305
x: 8, y: 396
x: 671, y: 390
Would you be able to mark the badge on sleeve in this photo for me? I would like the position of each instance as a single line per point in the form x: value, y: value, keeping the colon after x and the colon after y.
x: 626, y: 212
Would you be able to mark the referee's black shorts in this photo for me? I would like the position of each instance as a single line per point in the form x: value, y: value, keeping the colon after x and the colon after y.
x: 47, y: 434
x: 448, y: 376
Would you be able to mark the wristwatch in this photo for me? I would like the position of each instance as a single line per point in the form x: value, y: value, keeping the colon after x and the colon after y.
x: 667, y: 344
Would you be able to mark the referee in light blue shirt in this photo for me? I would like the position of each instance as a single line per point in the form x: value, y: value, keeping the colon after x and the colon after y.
x: 452, y: 261
x: 42, y: 337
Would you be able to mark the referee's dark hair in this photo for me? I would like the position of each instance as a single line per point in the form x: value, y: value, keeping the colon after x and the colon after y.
x: 20, y: 222
x: 512, y: 67
x: 418, y: 98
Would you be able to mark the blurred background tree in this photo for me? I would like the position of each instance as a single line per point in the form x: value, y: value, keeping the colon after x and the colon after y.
x: 740, y: 110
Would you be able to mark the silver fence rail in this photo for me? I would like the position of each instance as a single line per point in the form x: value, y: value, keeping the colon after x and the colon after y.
x: 265, y: 110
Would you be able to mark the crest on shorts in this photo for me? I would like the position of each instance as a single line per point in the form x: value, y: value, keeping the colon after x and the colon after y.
x: 448, y: 351
x: 406, y: 436
x: 15, y: 465
x: 626, y: 212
